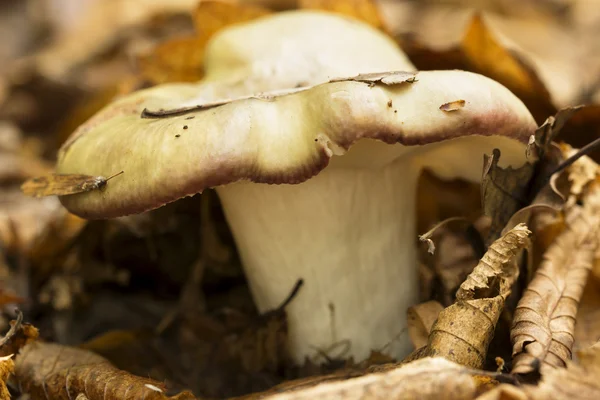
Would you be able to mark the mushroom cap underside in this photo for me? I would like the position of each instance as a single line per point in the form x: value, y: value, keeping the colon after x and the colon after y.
x: 279, y: 139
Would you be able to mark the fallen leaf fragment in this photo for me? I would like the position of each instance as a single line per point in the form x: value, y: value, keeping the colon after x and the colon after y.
x: 453, y: 105
x: 581, y: 172
x: 576, y: 381
x: 64, y: 184
x: 387, y: 78
x: 17, y: 337
x: 429, y: 378
x: 47, y: 370
x: 482, y: 52
x: 364, y: 10
x: 211, y: 16
x: 503, y: 191
x: 7, y: 367
x: 420, y: 321
x: 182, y: 59
x: 464, y: 330
x: 101, y: 26
x: 544, y: 320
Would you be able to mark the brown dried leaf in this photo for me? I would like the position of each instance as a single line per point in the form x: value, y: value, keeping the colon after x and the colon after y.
x: 503, y: 191
x: 64, y: 184
x: 463, y: 331
x: 485, y: 53
x: 387, y: 78
x: 420, y: 320
x: 576, y: 381
x: 429, y: 378
x: 7, y: 367
x: 544, y: 320
x: 453, y: 105
x: 480, y: 51
x: 182, y: 59
x: 211, y: 16
x: 364, y: 10
x: 581, y: 172
x: 176, y: 60
x: 100, y: 26
x: 46, y: 370
x: 18, y: 336
x: 582, y: 127
x: 587, y: 329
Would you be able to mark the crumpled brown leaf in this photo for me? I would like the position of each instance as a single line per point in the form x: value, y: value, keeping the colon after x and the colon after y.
x: 582, y: 127
x: 480, y: 51
x: 96, y: 29
x: 420, y: 320
x: 182, y: 59
x: 503, y: 191
x: 576, y: 381
x: 429, y: 378
x: 364, y: 10
x: 46, y: 370
x: 464, y: 330
x: 544, y: 320
x: 7, y: 367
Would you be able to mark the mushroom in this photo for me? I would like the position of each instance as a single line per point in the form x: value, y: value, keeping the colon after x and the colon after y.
x: 317, y: 182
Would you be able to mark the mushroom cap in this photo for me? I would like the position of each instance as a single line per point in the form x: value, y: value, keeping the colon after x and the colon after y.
x: 295, y: 49
x: 281, y: 139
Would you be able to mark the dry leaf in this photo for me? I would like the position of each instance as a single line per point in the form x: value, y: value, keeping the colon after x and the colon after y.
x: 64, y: 184
x: 364, y: 10
x: 429, y: 378
x: 176, y: 60
x: 182, y: 59
x: 18, y: 336
x: 463, y: 331
x: 576, y: 381
x: 387, y: 78
x: 582, y: 127
x: 420, y: 320
x: 581, y: 172
x: 453, y: 105
x: 544, y: 320
x: 587, y: 329
x: 46, y: 370
x: 211, y: 16
x: 480, y: 51
x: 98, y: 28
x: 504, y: 191
x: 7, y: 367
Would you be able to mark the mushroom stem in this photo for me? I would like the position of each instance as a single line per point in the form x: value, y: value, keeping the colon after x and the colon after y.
x: 334, y: 232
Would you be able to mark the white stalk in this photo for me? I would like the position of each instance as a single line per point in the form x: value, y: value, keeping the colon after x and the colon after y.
x: 350, y: 234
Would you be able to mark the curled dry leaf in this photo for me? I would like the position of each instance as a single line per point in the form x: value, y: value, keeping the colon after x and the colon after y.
x: 64, y: 184
x: 100, y: 26
x: 576, y: 381
x: 464, y: 330
x: 453, y: 105
x: 429, y: 378
x: 18, y: 336
x: 503, y: 191
x: 582, y: 128
x: 581, y: 172
x: 420, y: 321
x: 482, y: 52
x: 7, y: 367
x: 544, y: 320
x: 182, y: 59
x: 46, y: 370
x: 364, y: 10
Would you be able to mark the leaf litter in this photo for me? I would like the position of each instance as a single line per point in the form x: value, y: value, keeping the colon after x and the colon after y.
x: 244, y: 352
